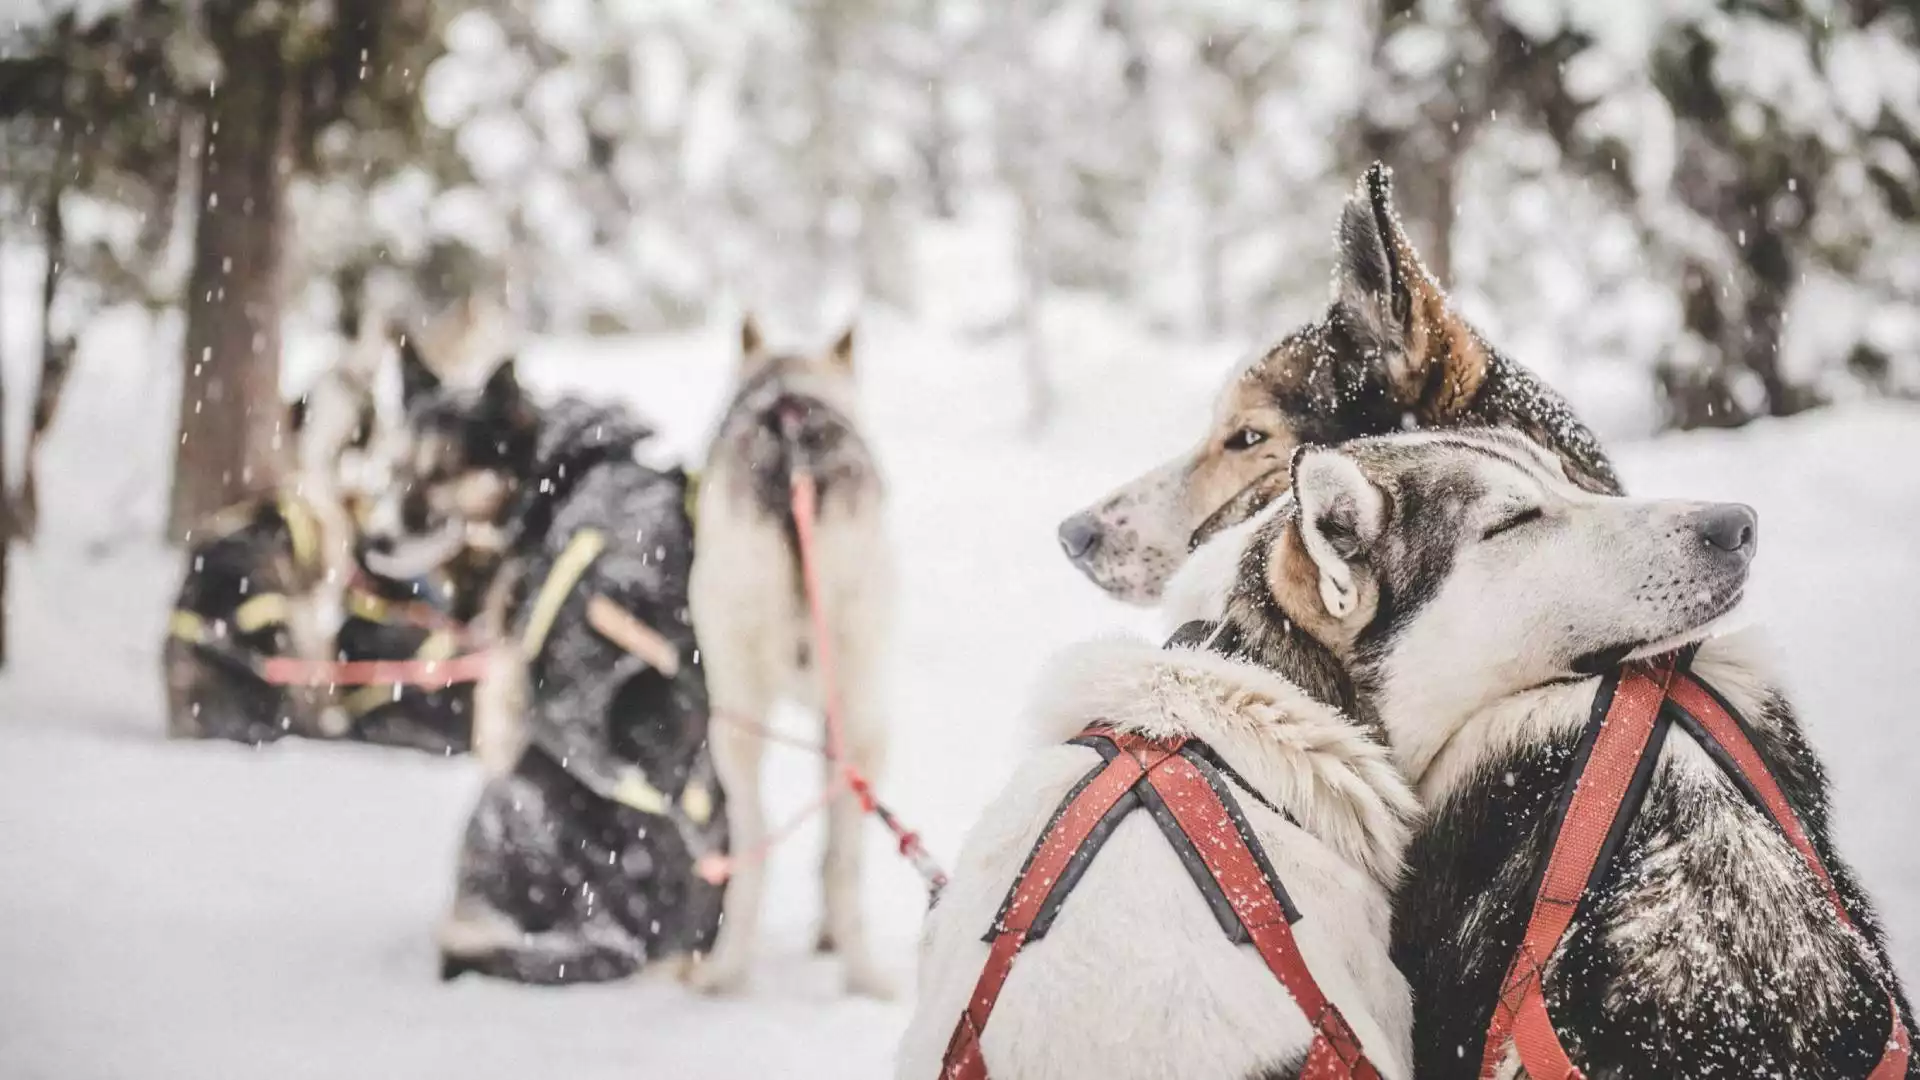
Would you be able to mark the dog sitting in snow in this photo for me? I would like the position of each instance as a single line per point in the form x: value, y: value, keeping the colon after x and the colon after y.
x: 1706, y: 945
x: 791, y: 413
x: 1390, y: 354
x: 579, y: 863
x: 269, y: 577
x: 1134, y: 976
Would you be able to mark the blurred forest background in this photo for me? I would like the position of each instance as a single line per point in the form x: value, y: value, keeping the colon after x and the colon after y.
x: 1715, y: 204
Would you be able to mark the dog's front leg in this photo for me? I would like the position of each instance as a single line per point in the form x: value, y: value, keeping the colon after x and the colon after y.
x: 736, y: 758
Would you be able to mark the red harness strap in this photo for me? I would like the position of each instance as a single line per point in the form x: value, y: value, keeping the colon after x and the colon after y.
x: 1599, y: 791
x: 1167, y: 773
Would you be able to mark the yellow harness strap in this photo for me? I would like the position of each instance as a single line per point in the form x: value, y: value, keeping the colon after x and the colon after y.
x: 188, y: 626
x: 697, y: 801
x: 635, y: 790
x: 693, y: 497
x: 259, y: 612
x: 362, y: 604
x: 364, y: 699
x: 302, y: 529
x: 579, y: 554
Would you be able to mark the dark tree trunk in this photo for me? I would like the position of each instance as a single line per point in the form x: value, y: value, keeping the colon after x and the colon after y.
x: 230, y: 412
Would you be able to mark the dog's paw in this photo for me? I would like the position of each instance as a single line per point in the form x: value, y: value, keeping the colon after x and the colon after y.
x: 866, y: 980
x: 716, y: 977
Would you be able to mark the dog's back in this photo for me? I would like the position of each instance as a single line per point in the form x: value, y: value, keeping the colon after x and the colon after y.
x: 1135, y: 977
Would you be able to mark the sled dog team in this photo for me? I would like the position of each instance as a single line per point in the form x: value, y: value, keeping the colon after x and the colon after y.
x: 1453, y: 764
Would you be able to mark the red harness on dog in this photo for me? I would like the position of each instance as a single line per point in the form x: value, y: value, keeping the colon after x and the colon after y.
x: 1181, y: 783
x: 1609, y: 776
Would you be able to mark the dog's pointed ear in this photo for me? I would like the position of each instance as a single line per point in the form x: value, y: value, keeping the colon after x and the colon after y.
x: 417, y: 380
x: 841, y: 354
x: 751, y: 342
x: 297, y: 411
x: 1341, y: 517
x: 1431, y: 360
x: 503, y: 387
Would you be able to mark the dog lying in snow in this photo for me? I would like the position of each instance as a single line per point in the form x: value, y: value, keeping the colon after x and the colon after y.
x: 1390, y: 354
x: 791, y: 412
x: 269, y: 577
x: 1135, y: 977
x: 1478, y: 641
x: 579, y: 863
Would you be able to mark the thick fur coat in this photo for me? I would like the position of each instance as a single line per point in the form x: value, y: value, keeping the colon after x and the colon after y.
x: 1135, y: 977
x: 1471, y: 593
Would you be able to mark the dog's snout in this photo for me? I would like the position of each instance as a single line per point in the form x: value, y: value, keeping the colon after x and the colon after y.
x: 1728, y: 527
x: 1079, y: 536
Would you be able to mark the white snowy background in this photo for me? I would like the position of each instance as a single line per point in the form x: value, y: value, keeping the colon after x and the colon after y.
x: 207, y: 911
x: 1139, y: 201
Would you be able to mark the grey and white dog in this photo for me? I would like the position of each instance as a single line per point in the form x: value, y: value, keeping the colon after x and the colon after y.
x: 1471, y: 596
x: 791, y: 413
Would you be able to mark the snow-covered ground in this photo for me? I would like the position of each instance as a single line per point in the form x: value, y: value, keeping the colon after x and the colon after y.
x: 207, y: 911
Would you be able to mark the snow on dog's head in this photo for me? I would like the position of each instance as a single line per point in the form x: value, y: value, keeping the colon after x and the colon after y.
x: 1445, y: 571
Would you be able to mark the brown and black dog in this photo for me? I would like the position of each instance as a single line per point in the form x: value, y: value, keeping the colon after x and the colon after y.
x: 1390, y: 354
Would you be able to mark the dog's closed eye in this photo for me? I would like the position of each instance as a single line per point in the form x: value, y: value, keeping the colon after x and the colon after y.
x: 1513, y: 521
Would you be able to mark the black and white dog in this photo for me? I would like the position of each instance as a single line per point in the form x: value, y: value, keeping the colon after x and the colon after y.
x: 579, y: 863
x: 270, y: 577
x: 1707, y: 947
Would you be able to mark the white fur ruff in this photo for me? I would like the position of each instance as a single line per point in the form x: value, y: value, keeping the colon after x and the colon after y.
x: 1135, y: 949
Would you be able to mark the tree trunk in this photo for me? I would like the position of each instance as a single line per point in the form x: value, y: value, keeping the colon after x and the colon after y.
x: 230, y: 413
x: 6, y: 510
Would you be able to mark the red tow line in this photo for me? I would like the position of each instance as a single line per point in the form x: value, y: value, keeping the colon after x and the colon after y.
x: 428, y: 674
x: 717, y: 868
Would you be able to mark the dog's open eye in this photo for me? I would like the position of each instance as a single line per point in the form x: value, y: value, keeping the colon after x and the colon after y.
x: 1245, y: 439
x: 1514, y: 521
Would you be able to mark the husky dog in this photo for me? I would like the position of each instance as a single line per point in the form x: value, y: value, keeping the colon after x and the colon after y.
x: 269, y: 577
x: 1136, y: 948
x: 791, y: 413
x: 1390, y: 354
x: 415, y: 618
x: 579, y: 864
x: 1471, y: 592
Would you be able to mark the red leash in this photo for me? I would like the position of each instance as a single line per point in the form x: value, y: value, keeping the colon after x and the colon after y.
x: 806, y: 506
x: 429, y: 674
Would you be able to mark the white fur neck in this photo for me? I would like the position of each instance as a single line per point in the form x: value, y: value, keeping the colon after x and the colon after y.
x: 1447, y: 755
x: 1302, y: 755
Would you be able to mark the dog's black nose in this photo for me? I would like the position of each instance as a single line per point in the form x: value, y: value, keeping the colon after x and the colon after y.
x: 1729, y: 527
x: 1079, y: 536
